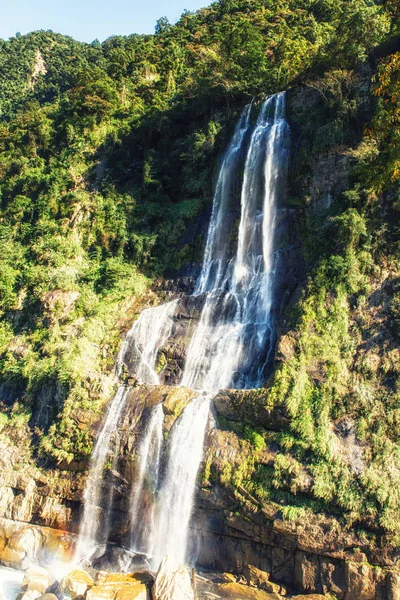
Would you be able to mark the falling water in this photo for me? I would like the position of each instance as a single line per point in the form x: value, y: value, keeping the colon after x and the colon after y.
x: 175, y: 502
x: 232, y: 343
x: 234, y: 338
x: 144, y: 339
x: 219, y: 230
x: 90, y: 534
x: 153, y: 325
x: 145, y: 486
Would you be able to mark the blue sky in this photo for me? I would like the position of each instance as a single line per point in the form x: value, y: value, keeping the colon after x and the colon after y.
x: 86, y: 20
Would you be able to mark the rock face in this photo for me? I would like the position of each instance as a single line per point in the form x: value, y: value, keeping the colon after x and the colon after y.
x: 231, y: 531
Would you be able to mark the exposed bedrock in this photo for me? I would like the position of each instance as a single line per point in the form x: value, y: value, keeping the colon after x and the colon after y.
x: 230, y: 529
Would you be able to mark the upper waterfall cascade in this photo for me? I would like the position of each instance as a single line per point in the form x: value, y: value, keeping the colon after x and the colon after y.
x: 231, y: 345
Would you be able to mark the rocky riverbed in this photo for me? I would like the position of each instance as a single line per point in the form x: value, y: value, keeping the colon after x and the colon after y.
x: 171, y: 582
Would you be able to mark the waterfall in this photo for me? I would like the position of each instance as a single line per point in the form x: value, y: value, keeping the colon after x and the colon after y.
x: 230, y: 347
x: 144, y: 489
x: 219, y: 231
x: 175, y: 499
x: 144, y: 339
x: 90, y: 533
x: 232, y: 343
x: 235, y: 335
x: 140, y: 347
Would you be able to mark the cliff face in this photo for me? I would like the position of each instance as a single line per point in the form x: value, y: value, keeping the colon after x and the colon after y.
x: 230, y: 528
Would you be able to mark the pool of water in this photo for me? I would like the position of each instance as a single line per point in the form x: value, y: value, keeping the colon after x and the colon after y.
x: 10, y: 583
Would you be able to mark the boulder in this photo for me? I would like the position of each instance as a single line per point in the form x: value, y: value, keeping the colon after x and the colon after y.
x: 132, y: 592
x: 75, y: 584
x: 23, y: 547
x: 172, y: 582
x: 121, y: 586
x: 48, y: 597
x: 38, y: 579
x: 12, y: 558
x: 255, y: 576
x: 237, y: 591
x: 99, y: 592
x: 29, y: 595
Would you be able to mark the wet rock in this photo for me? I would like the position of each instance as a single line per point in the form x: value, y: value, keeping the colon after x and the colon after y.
x: 121, y: 586
x: 22, y: 548
x: 28, y: 540
x: 38, y: 579
x: 177, y: 400
x: 138, y: 592
x: 75, y: 584
x: 172, y: 582
x: 360, y: 582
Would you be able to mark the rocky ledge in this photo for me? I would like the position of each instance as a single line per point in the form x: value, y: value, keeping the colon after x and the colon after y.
x: 172, y: 582
x: 231, y: 529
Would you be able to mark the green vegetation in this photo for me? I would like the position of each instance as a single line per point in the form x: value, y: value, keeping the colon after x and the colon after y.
x: 108, y: 154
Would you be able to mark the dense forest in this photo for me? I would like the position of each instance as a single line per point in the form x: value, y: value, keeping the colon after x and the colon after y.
x: 108, y: 154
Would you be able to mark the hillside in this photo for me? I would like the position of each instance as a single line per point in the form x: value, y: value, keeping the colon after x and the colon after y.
x: 108, y: 160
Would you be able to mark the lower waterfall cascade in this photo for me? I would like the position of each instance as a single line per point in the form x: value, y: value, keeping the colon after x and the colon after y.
x: 231, y: 346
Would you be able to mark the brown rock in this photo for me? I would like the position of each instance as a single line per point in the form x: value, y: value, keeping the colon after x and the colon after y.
x: 28, y: 540
x: 306, y: 572
x: 256, y: 577
x: 75, y: 584
x: 48, y: 597
x: 98, y: 592
x: 237, y: 591
x: 132, y: 592
x: 118, y: 579
x: 360, y: 582
x: 228, y: 578
x: 333, y: 577
x: 12, y: 558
